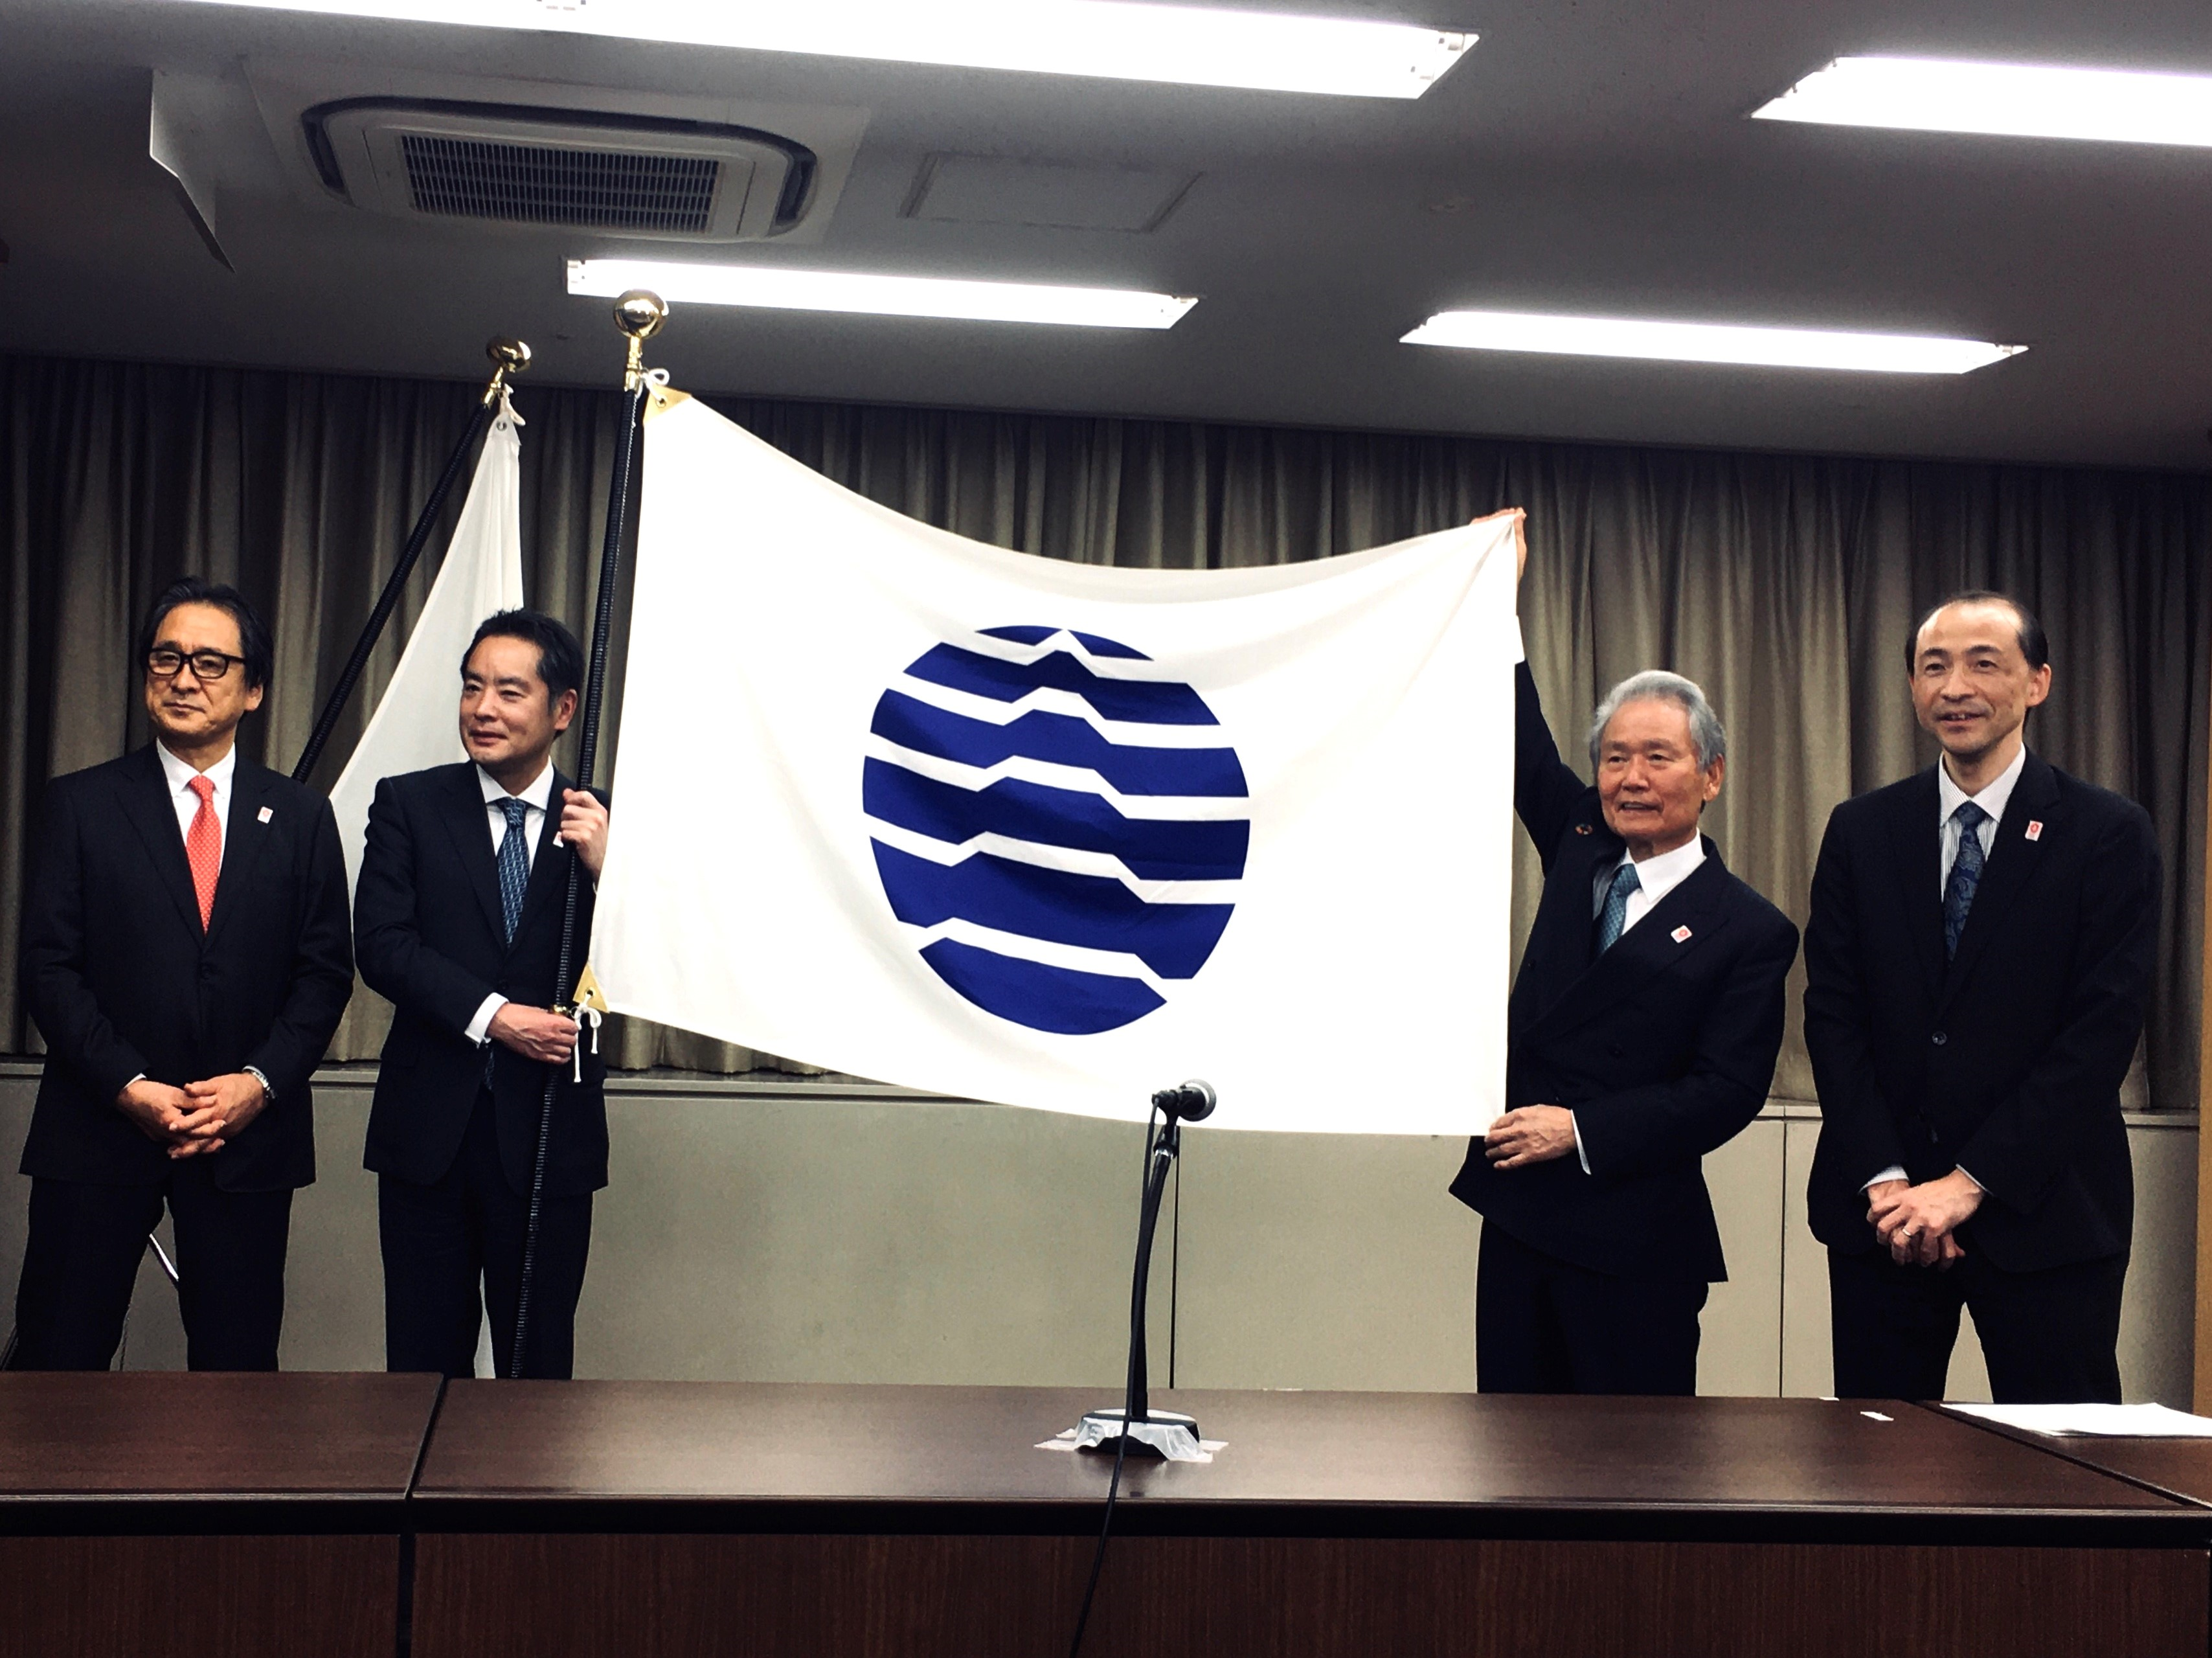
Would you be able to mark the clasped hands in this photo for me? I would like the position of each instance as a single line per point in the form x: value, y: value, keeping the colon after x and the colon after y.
x: 1916, y: 1222
x: 197, y: 1119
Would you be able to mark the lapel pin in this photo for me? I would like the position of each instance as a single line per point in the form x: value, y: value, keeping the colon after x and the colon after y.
x: 1680, y: 934
x: 2035, y: 828
x: 1581, y: 828
x: 264, y: 815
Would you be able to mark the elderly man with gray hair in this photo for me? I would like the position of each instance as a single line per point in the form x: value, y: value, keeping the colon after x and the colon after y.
x: 1642, y: 1034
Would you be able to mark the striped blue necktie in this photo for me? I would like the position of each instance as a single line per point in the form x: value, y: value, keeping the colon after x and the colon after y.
x: 514, y: 864
x: 1613, y: 920
x: 1965, y: 874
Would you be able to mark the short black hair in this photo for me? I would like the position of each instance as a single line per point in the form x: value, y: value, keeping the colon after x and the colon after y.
x: 2033, y: 644
x: 254, y: 643
x: 560, y: 658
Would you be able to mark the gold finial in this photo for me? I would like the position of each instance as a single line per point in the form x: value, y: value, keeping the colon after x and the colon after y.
x: 509, y: 357
x: 639, y: 314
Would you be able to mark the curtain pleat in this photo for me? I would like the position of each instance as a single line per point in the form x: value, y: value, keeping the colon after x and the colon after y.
x: 1785, y: 585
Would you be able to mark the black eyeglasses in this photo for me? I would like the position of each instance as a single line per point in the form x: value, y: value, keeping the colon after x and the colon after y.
x: 208, y: 665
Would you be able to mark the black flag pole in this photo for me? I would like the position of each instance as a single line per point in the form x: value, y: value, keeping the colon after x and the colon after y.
x: 638, y: 315
x: 509, y: 357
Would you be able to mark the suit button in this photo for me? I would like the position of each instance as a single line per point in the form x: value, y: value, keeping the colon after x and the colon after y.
x: 1939, y: 1039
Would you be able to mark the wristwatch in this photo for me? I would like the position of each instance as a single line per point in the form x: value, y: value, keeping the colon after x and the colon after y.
x: 268, y: 1089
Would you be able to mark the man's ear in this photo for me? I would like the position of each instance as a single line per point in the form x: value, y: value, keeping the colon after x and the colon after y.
x: 564, y: 710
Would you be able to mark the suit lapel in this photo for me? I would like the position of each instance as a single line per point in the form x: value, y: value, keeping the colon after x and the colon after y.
x: 1917, y: 834
x: 2013, y: 860
x: 146, y: 802
x: 244, y: 837
x: 466, y: 822
x: 1682, y: 921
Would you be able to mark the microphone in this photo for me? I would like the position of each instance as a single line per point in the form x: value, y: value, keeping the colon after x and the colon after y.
x: 1193, y: 1101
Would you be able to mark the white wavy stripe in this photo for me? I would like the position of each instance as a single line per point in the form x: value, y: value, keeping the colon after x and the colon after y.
x: 1112, y: 964
x: 1159, y: 808
x: 1051, y: 699
x: 1106, y: 668
x: 1072, y: 860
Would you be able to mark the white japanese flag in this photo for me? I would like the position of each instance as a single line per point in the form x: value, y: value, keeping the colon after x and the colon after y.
x: 417, y: 722
x: 1007, y: 828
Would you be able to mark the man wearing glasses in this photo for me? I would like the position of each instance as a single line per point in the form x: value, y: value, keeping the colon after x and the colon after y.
x: 186, y: 955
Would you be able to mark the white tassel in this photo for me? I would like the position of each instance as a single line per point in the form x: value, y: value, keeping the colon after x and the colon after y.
x: 586, y: 1015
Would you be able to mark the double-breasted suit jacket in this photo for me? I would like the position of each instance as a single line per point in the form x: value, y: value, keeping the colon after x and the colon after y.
x: 1663, y: 1046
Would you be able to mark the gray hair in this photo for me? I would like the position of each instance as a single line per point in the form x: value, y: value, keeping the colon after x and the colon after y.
x: 1656, y: 684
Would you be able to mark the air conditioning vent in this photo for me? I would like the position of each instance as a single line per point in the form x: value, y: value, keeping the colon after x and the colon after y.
x: 505, y: 165
x: 536, y: 184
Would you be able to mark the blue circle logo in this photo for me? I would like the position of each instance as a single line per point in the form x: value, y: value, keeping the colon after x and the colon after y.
x: 1060, y: 829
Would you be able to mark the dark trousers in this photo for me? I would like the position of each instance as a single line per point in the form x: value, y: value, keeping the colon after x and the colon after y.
x: 80, y: 1263
x: 440, y: 1242
x: 2050, y: 1337
x: 1544, y: 1326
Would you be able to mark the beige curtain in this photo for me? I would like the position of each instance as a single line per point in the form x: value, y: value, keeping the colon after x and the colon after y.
x: 1785, y: 585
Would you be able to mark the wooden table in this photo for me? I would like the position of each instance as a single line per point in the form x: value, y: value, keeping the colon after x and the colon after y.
x: 648, y: 1519
x: 158, y: 1512
x: 2179, y: 1468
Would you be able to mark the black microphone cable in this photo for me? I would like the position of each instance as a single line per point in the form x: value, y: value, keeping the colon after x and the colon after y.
x: 1121, y: 1445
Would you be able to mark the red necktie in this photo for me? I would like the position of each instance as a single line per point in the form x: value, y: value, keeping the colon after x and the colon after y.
x: 203, y: 847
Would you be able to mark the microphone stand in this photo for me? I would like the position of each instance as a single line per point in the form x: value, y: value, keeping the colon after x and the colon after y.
x: 1136, y: 1425
x: 1161, y: 1433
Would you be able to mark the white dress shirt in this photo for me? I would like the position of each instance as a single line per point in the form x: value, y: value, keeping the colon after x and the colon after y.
x: 1949, y: 798
x: 1655, y: 877
x: 1992, y: 800
x: 181, y: 773
x: 539, y: 797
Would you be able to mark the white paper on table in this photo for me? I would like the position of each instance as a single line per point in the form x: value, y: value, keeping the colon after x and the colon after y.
x: 2104, y: 1421
x: 1065, y: 1440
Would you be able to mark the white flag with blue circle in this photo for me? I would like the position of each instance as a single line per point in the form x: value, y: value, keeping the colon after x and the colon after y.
x: 1010, y: 828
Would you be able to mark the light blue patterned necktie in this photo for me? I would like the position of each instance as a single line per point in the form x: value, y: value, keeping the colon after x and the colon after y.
x: 514, y: 864
x: 1614, y: 918
x: 1965, y: 874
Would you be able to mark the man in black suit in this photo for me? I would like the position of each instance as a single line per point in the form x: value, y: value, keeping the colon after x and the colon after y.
x: 1642, y: 1034
x: 458, y: 909
x: 1976, y: 963
x: 186, y: 955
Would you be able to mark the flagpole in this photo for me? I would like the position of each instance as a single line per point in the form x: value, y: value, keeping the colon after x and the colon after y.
x: 509, y: 357
x: 638, y: 315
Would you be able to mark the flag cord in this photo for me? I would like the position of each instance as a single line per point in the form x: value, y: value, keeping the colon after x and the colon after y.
x: 595, y: 680
x: 491, y: 408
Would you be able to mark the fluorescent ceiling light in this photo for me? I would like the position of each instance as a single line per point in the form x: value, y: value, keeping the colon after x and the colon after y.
x: 1113, y: 39
x: 1706, y: 342
x: 1930, y: 94
x: 779, y: 288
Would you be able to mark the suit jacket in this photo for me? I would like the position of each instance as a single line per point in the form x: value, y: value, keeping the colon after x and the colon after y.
x: 433, y: 940
x: 2007, y: 1060
x: 122, y: 979
x: 1663, y: 1047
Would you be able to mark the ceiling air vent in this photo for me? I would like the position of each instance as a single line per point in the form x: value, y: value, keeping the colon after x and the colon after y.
x: 627, y: 175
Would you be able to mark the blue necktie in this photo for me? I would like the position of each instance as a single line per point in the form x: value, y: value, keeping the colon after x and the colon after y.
x: 514, y: 864
x: 1965, y: 874
x: 1614, y: 918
